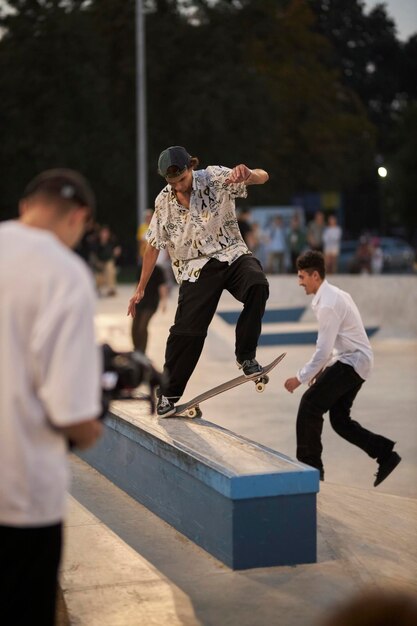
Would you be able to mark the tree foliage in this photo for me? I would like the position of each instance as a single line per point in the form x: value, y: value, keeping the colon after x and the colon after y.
x: 310, y: 90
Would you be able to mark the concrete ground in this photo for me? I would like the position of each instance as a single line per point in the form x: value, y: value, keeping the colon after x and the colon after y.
x: 125, y: 566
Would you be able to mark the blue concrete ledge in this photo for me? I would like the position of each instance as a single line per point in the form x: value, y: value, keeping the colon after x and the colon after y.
x: 298, y: 338
x: 271, y: 316
x: 246, y: 504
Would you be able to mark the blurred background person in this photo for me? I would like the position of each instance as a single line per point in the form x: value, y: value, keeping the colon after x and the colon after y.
x: 142, y: 230
x: 246, y: 228
x: 156, y: 295
x: 50, y: 391
x: 363, y: 256
x: 276, y: 246
x: 88, y: 244
x: 332, y: 236
x: 105, y: 254
x: 296, y: 241
x: 377, y: 256
x: 260, y: 244
x: 315, y: 229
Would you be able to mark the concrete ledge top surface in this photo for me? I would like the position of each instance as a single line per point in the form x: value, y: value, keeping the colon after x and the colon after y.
x: 237, y: 467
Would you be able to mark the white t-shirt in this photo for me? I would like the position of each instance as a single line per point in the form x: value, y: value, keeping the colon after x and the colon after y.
x: 208, y: 229
x: 341, y: 336
x: 49, y: 370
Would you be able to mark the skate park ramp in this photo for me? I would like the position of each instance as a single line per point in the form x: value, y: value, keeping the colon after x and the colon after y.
x: 132, y: 568
x: 387, y: 304
x: 123, y: 565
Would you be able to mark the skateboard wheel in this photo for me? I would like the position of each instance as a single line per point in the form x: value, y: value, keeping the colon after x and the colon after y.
x: 260, y: 386
x: 194, y: 412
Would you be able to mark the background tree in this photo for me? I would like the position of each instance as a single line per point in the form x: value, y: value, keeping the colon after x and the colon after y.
x: 54, y: 105
x: 381, y: 70
x: 314, y: 91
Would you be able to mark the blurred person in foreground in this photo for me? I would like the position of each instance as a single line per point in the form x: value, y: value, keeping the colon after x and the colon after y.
x: 195, y: 220
x: 341, y: 363
x: 50, y: 391
x: 375, y: 607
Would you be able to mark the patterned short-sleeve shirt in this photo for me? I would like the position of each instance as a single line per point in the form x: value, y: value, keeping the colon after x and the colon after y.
x: 207, y: 230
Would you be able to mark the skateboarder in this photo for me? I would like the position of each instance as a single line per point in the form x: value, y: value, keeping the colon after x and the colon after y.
x: 334, y: 381
x: 195, y: 221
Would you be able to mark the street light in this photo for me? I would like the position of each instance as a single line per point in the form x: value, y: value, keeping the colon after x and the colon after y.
x: 382, y: 173
x: 141, y: 143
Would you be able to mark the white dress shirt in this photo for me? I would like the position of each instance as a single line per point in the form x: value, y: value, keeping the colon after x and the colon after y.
x: 341, y: 334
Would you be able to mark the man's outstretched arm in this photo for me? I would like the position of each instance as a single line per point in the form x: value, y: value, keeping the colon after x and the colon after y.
x: 243, y: 174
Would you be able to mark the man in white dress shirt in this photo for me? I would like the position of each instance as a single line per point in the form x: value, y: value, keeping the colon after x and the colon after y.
x: 335, y: 373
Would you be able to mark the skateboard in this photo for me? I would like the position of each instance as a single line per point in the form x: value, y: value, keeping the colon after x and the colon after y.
x: 191, y: 408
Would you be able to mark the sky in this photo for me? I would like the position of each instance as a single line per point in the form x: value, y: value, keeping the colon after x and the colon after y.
x: 403, y: 12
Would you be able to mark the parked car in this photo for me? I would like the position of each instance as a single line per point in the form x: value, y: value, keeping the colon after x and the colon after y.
x: 398, y: 256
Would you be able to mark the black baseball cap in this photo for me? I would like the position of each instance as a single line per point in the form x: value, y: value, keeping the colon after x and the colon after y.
x: 175, y: 156
x: 66, y: 184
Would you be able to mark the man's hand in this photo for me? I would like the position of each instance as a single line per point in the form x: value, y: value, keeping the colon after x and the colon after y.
x: 239, y: 174
x: 84, y: 434
x: 134, y: 300
x: 291, y: 384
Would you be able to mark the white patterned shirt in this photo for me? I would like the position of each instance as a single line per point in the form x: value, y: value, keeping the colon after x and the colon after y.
x: 207, y: 230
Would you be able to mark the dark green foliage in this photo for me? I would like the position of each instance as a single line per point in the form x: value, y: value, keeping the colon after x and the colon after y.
x: 309, y: 90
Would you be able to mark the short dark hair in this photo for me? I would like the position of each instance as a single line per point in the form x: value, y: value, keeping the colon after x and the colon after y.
x: 68, y: 186
x: 312, y: 261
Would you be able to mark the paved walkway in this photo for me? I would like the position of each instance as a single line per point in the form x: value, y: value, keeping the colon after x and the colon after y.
x: 125, y: 566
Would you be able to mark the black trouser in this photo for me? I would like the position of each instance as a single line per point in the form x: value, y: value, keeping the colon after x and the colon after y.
x: 29, y: 560
x: 334, y: 391
x: 197, y: 304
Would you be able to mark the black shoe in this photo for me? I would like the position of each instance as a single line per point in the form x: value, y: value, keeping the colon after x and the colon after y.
x: 386, y: 466
x: 165, y: 406
x: 250, y: 367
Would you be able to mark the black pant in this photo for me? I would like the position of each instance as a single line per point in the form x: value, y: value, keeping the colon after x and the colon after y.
x: 334, y: 391
x: 29, y: 560
x: 197, y: 304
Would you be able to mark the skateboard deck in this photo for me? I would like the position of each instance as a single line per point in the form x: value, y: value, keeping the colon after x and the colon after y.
x: 190, y: 408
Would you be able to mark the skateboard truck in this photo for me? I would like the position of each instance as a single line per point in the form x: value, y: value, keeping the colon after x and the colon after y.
x: 193, y: 413
x: 261, y: 382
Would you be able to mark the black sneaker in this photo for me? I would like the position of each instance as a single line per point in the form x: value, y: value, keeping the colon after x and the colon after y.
x: 386, y: 466
x: 165, y: 406
x: 250, y: 367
